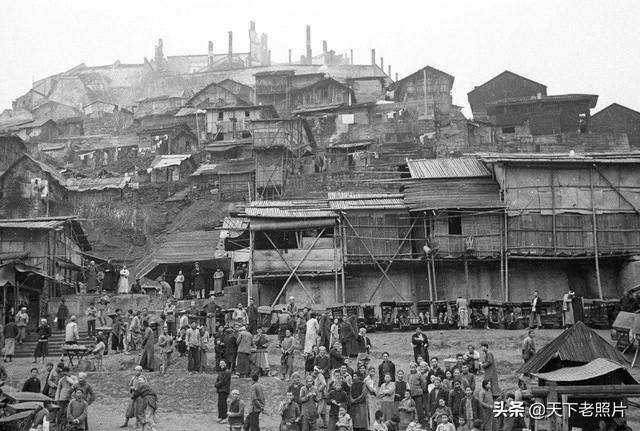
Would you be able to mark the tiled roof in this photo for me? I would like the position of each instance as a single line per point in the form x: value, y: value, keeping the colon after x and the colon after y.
x: 447, y: 168
x: 290, y: 209
x: 592, y: 98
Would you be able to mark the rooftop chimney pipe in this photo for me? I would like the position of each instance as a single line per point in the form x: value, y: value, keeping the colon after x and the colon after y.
x: 382, y: 64
x: 289, y: 56
x: 373, y: 57
x: 389, y: 74
x: 230, y: 47
x: 351, y: 55
x: 324, y: 46
x: 210, y: 53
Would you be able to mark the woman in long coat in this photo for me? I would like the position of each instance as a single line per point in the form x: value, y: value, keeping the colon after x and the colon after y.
x: 109, y: 278
x: 148, y: 342
x: 123, y: 282
x: 372, y: 391
x: 358, y: 397
x: 489, y: 367
x: 311, y: 335
x: 353, y: 342
x: 485, y: 397
x: 91, y: 276
x: 346, y: 335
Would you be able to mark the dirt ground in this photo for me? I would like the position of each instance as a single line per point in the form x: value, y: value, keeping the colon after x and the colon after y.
x: 188, y: 402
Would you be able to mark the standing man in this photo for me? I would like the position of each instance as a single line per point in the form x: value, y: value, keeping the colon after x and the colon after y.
x: 325, y: 330
x: 223, y: 387
x: 212, y: 310
x: 386, y: 367
x: 193, y: 346
x: 165, y: 342
x: 199, y: 280
x: 76, y: 415
x: 568, y: 317
x: 92, y: 314
x: 109, y: 280
x: 420, y: 345
x: 178, y: 285
x: 257, y: 404
x: 252, y: 314
x: 184, y: 320
x: 42, y: 348
x: 22, y: 318
x: 245, y: 341
x: 71, y: 335
x: 536, y: 302
x: 148, y: 342
x: 528, y: 346
x: 62, y: 315
x: 170, y: 316
x: 463, y: 314
x: 218, y: 282
x: 91, y: 276
x: 288, y: 346
x: 290, y: 412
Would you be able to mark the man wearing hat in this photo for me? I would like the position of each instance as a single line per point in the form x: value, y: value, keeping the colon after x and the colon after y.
x: 71, y: 332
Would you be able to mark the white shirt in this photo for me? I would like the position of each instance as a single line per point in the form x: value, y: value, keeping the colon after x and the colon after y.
x: 71, y: 332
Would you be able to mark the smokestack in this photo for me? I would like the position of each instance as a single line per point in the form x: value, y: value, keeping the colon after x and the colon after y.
x: 308, y: 44
x: 396, y: 76
x: 252, y: 26
x: 210, y: 53
x: 389, y: 74
x: 289, y: 56
x: 373, y: 57
x: 324, y: 46
x: 351, y: 55
x: 230, y: 47
x: 382, y: 64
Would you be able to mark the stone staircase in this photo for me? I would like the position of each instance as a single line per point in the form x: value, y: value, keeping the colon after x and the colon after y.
x: 26, y: 349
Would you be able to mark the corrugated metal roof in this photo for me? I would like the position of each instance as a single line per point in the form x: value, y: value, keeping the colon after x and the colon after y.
x: 578, y: 344
x: 447, y: 168
x: 453, y: 193
x: 85, y: 184
x: 301, y: 203
x: 169, y: 160
x: 288, y: 213
x: 48, y: 224
x: 352, y: 200
x: 596, y: 368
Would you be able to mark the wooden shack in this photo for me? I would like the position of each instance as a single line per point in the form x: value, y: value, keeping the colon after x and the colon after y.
x: 171, y: 168
x: 427, y: 92
x: 11, y: 149
x: 294, y: 251
x: 39, y: 258
x: 31, y: 188
x: 232, y: 179
x: 579, y: 215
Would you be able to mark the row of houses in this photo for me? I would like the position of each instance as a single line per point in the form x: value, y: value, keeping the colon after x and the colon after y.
x: 481, y: 227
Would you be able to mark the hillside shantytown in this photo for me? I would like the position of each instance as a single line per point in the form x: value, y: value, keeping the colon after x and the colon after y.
x: 345, y: 189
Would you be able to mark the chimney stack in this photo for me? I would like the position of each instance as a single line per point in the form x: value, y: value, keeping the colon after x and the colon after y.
x: 382, y: 64
x: 308, y: 44
x: 396, y: 76
x: 210, y: 53
x: 230, y: 47
x: 373, y: 57
x: 389, y: 74
x: 324, y: 46
x: 351, y: 55
x: 289, y: 56
x: 252, y: 25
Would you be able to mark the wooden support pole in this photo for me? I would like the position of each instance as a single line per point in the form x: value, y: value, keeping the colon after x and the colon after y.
x: 335, y: 262
x: 554, y: 240
x: 506, y: 237
x: 252, y: 240
x: 595, y: 234
x: 343, y: 247
x: 502, y: 254
x: 433, y: 273
x: 466, y: 276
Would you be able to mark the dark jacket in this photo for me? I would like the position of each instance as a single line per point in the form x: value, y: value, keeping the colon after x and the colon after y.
x: 11, y: 330
x: 252, y: 313
x: 32, y: 384
x: 223, y: 382
x: 387, y: 367
x: 44, y: 331
x: 432, y: 400
x: 475, y: 405
x: 336, y: 358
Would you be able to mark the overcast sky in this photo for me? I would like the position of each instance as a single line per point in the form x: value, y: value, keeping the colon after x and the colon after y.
x: 571, y: 46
